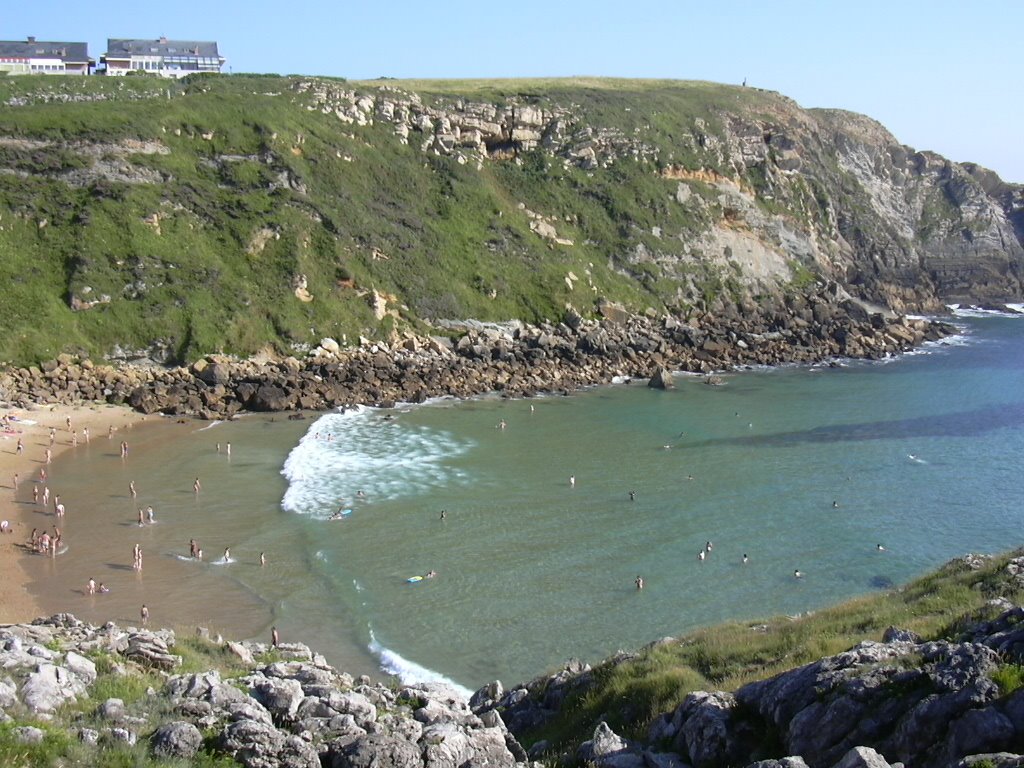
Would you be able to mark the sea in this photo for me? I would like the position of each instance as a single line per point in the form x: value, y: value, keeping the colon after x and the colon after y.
x: 495, y: 539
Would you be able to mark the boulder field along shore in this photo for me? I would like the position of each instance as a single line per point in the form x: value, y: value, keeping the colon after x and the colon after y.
x: 472, y: 358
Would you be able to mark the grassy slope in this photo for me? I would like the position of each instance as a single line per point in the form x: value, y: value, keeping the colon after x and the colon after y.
x: 452, y: 236
x: 630, y: 694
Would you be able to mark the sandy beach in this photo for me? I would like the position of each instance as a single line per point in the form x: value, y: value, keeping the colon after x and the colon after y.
x: 32, y: 427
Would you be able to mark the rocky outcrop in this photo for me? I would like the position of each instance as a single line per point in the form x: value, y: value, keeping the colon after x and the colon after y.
x: 514, y: 359
x: 297, y: 711
x: 901, y: 701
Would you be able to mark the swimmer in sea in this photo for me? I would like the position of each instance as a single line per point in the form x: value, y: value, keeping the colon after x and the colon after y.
x: 639, y: 583
x: 797, y: 574
x: 572, y: 481
x: 430, y: 574
x: 632, y: 495
x: 227, y: 554
x: 745, y: 558
x: 149, y: 515
x: 835, y: 504
x: 131, y: 489
x: 263, y: 559
x: 193, y: 547
x: 102, y: 588
x: 880, y: 548
x: 701, y: 555
x: 196, y: 486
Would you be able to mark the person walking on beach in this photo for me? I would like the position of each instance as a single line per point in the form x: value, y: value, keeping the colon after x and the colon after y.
x: 85, y: 434
x: 49, y: 455
x: 275, y: 640
x: 53, y: 435
x: 35, y: 494
x: 16, y: 481
x: 20, y: 448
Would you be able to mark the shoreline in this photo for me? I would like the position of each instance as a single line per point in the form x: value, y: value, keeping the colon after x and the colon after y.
x: 19, y: 604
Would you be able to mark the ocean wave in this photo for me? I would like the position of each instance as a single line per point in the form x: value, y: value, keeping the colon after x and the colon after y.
x: 1013, y: 310
x: 409, y: 672
x: 211, y: 425
x: 365, y: 449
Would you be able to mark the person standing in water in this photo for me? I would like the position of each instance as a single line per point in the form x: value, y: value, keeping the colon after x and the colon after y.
x: 196, y: 487
x: 639, y: 582
x: 144, y: 615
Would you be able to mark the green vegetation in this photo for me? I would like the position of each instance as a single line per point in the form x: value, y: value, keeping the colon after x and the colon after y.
x: 184, y: 215
x: 630, y: 694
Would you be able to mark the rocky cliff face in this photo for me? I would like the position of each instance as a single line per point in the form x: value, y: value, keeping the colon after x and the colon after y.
x: 226, y: 214
x: 823, y: 188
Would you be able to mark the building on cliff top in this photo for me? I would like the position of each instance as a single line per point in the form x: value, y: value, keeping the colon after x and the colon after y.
x: 37, y: 57
x: 167, y: 58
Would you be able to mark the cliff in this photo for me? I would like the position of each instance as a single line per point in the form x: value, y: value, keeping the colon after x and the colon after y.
x: 232, y: 214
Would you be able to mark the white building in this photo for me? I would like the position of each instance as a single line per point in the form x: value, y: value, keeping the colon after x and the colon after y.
x: 167, y: 58
x: 36, y: 57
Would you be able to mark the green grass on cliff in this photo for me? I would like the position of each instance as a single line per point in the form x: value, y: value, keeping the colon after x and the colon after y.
x: 198, y: 247
x: 629, y: 694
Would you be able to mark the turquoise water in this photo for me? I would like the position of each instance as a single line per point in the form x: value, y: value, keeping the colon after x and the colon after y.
x: 921, y: 454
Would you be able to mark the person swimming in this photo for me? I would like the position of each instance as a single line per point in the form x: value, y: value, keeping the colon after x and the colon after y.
x: 798, y: 574
x: 701, y: 555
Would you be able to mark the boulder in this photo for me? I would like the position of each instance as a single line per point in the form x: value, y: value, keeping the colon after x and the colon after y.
x: 280, y: 697
x: 662, y: 379
x: 177, y: 740
x: 376, y: 750
x: 862, y: 757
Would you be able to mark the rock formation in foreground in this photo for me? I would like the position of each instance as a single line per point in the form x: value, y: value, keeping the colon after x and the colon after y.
x: 923, y: 704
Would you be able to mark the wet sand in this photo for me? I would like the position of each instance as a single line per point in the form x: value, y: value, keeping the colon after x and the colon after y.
x: 32, y: 426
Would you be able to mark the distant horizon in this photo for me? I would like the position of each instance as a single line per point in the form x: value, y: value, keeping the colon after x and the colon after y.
x: 939, y: 75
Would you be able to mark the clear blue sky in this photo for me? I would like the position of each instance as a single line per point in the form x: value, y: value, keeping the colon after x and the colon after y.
x: 941, y: 75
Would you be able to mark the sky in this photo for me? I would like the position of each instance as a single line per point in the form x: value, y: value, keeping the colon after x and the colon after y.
x: 940, y: 75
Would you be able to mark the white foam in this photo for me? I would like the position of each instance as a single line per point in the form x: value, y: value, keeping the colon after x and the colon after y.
x: 211, y: 425
x: 409, y: 672
x: 959, y: 310
x: 342, y: 453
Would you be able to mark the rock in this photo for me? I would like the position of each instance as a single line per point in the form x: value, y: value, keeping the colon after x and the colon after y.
x: 89, y: 736
x: 895, y: 635
x: 705, y: 733
x: 609, y: 750
x: 280, y: 697
x: 177, y: 739
x: 27, y: 734
x: 151, y: 649
x: 662, y: 379
x: 376, y: 750
x: 862, y: 757
x: 243, y: 653
x: 124, y: 736
x: 49, y: 687
x: 112, y: 709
